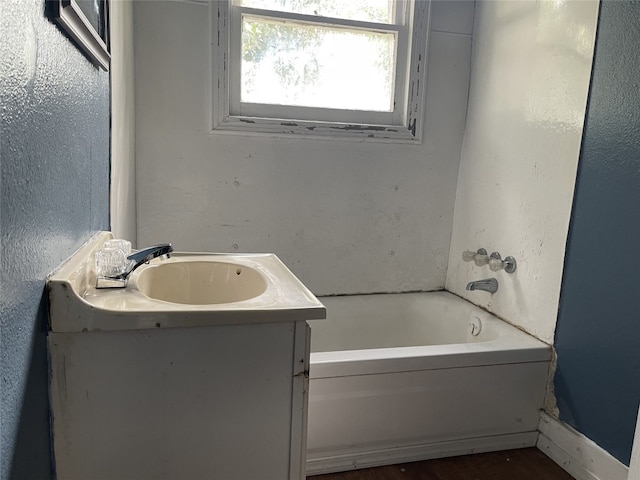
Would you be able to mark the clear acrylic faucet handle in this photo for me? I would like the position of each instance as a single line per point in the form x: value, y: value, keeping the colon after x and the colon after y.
x: 496, y: 264
x: 124, y: 245
x: 481, y: 258
x: 468, y: 255
x: 110, y: 262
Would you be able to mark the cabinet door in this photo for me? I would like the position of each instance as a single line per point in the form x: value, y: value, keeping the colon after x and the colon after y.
x: 300, y: 400
x: 176, y: 403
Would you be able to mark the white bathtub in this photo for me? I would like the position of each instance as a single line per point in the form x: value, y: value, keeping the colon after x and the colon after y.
x: 405, y: 377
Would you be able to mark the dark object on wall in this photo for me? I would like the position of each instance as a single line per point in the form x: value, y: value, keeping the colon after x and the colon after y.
x: 87, y: 22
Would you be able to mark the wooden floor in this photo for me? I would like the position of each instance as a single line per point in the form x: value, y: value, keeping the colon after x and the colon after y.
x: 523, y: 464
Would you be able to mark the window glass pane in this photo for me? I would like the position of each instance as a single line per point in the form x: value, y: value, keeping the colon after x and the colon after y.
x: 381, y: 11
x: 316, y: 66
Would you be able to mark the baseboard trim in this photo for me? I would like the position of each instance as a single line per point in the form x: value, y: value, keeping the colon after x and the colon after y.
x: 350, y: 460
x: 579, y: 456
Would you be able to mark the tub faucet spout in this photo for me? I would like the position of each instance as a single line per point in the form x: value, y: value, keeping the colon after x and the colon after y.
x: 488, y: 285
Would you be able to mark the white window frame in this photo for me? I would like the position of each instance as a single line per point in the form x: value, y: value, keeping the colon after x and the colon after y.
x: 405, y: 125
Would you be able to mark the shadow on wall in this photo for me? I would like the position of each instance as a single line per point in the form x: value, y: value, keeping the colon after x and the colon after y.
x: 32, y: 446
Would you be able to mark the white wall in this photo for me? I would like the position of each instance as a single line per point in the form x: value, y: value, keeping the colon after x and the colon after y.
x: 345, y: 216
x: 529, y: 80
x: 123, y: 198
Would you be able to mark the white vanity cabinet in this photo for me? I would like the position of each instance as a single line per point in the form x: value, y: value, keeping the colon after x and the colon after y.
x: 197, y: 370
x: 219, y: 402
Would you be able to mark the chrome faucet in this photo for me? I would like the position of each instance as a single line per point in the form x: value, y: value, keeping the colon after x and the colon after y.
x: 488, y: 285
x: 134, y: 261
x: 145, y: 256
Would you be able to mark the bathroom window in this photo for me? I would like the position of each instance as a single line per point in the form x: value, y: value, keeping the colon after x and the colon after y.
x: 320, y: 67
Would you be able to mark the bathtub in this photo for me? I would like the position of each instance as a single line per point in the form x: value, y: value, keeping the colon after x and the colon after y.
x: 404, y: 377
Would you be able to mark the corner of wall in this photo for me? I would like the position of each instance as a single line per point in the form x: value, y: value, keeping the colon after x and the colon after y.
x: 520, y: 153
x: 123, y: 169
x: 575, y: 453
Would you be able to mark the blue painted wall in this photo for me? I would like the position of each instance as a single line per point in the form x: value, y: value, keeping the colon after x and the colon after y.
x: 597, y: 383
x: 54, y: 195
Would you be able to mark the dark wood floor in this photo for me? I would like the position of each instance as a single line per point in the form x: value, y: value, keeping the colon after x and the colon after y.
x: 522, y: 464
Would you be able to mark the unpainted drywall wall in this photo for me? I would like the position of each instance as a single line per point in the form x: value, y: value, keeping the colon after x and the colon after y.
x: 345, y: 216
x: 529, y: 81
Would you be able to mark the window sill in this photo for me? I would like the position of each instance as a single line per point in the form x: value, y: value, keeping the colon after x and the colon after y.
x: 317, y: 130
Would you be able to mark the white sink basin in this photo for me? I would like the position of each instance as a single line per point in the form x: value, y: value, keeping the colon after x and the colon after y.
x: 189, y: 289
x: 201, y: 282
